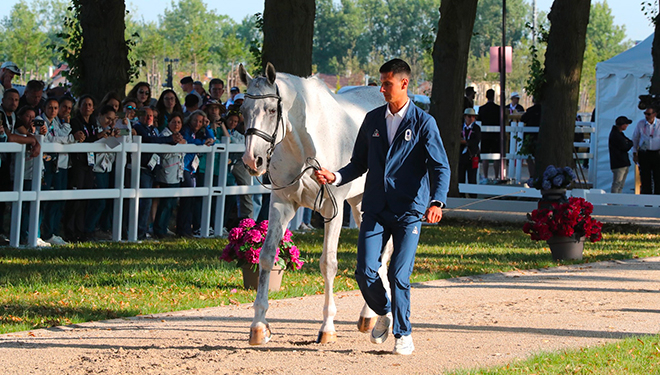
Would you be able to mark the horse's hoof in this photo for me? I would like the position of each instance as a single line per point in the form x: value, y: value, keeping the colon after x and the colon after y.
x: 366, y: 324
x: 326, y: 337
x: 260, y: 335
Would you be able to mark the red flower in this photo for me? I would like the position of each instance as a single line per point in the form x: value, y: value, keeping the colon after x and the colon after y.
x: 564, y: 219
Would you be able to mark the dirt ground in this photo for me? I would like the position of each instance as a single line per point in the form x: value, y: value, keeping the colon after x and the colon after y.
x: 457, y: 323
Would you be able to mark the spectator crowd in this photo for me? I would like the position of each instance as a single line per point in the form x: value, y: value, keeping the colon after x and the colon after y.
x: 200, y: 118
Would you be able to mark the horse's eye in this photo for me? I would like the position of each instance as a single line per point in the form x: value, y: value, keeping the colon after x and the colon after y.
x: 272, y: 111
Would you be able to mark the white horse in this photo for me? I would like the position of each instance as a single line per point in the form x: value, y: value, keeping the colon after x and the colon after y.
x: 288, y: 120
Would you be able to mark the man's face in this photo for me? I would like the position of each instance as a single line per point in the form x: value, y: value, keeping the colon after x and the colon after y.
x: 216, y: 91
x: 147, y: 118
x: 33, y: 97
x: 10, y: 102
x: 187, y: 87
x: 199, y: 89
x: 649, y: 115
x: 65, y: 109
x: 515, y: 100
x: 393, y: 87
x: 6, y: 76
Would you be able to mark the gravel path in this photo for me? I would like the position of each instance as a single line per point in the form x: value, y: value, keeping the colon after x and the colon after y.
x: 457, y: 323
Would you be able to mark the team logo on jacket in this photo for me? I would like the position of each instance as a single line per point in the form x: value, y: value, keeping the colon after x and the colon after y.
x: 376, y: 133
x: 415, y: 231
x: 408, y: 136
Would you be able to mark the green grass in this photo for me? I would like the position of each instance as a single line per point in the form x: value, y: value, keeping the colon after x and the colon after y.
x: 636, y: 355
x: 96, y: 281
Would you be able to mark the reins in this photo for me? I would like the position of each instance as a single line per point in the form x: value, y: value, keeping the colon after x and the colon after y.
x: 311, y: 162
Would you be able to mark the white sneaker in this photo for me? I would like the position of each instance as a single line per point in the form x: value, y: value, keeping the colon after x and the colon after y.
x: 56, y: 240
x: 42, y: 243
x: 304, y: 227
x: 403, y: 345
x: 381, y: 329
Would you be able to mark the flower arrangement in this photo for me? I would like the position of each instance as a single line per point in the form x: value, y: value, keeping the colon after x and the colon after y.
x: 572, y: 219
x: 553, y: 178
x: 246, y: 240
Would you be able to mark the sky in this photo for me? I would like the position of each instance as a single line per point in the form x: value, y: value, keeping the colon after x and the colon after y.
x: 626, y: 12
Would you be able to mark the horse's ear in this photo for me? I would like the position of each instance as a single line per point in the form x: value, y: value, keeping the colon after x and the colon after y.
x: 270, y: 73
x: 244, y: 75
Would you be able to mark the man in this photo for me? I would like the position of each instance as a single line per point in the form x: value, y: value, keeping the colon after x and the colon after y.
x: 646, y: 151
x: 216, y: 89
x: 7, y: 72
x: 619, y: 146
x: 470, y: 95
x: 33, y: 96
x: 489, y: 114
x: 232, y: 94
x: 187, y: 85
x: 514, y: 106
x: 468, y: 161
x: 149, y: 133
x: 400, y: 149
x: 190, y: 104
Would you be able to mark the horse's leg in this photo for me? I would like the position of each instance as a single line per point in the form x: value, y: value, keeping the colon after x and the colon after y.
x: 280, y: 214
x: 328, y: 264
x: 368, y: 317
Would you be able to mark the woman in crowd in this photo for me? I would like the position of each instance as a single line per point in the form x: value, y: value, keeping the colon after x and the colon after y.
x: 102, y: 170
x: 83, y: 128
x: 56, y: 167
x: 169, y: 175
x: 168, y: 104
x: 196, y: 132
x: 112, y: 99
x: 127, y: 117
x: 142, y: 93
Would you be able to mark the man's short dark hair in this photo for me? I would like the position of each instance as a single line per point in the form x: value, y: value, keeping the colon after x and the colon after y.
x: 191, y: 100
x: 35, y: 85
x: 396, y: 66
x: 490, y: 94
x: 185, y: 80
x: 469, y: 91
x: 67, y: 98
x: 9, y: 91
x: 216, y: 81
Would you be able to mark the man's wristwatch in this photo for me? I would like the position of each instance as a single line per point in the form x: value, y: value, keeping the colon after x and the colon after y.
x: 436, y: 204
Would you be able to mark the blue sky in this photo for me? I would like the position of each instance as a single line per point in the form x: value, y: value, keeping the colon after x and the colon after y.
x: 626, y: 12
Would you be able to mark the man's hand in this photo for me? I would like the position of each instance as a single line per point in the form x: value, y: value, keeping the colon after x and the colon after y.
x: 209, y: 141
x: 635, y: 159
x: 324, y: 176
x: 43, y: 129
x: 79, y: 136
x: 433, y: 214
x: 36, y: 148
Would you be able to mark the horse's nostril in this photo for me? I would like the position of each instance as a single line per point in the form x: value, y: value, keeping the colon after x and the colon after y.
x: 260, y: 161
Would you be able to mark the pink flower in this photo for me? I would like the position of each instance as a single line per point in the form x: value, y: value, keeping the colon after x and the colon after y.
x: 235, y: 234
x: 263, y: 226
x: 287, y: 236
x: 252, y: 255
x: 247, y: 223
x: 254, y: 236
x: 227, y: 253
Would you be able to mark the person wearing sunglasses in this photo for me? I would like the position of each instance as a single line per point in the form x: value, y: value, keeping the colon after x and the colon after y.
x: 142, y: 92
x: 646, y: 151
x: 126, y: 117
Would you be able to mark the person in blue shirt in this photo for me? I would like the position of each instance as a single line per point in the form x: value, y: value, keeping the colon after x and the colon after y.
x: 400, y: 149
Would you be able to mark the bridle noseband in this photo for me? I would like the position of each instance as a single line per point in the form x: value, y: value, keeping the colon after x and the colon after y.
x: 270, y: 138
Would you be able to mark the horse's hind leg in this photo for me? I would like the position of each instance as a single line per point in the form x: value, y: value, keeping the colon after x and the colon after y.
x: 328, y: 264
x: 368, y: 317
x: 279, y: 216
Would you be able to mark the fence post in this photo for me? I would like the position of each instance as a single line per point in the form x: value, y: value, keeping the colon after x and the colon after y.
x: 220, y: 204
x: 118, y: 203
x: 16, y: 207
x: 207, y: 199
x: 37, y: 168
x: 134, y: 203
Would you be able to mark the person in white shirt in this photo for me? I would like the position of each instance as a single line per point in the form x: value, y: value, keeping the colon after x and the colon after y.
x: 646, y: 151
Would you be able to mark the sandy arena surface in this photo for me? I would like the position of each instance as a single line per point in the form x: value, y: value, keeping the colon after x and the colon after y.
x: 457, y: 323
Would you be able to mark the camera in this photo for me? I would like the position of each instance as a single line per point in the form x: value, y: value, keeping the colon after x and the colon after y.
x: 38, y: 123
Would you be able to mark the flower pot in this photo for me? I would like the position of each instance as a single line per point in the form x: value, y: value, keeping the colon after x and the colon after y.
x: 550, y: 196
x: 566, y: 248
x: 251, y: 278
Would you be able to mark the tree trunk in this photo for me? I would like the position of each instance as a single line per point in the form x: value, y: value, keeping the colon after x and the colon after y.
x: 104, y: 56
x: 288, y: 33
x: 450, y: 59
x: 561, y: 91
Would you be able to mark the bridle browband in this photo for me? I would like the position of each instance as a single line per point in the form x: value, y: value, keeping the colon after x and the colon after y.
x: 270, y: 138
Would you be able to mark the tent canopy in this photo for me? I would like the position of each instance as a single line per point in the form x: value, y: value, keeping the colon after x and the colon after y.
x: 636, y: 61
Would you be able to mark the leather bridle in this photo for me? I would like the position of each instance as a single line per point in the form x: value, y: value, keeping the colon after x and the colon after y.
x: 270, y: 138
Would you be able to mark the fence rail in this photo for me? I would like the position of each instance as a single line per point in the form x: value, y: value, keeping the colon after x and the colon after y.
x: 120, y: 195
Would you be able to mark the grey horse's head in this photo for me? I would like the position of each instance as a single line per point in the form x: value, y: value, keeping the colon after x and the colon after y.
x: 262, y: 113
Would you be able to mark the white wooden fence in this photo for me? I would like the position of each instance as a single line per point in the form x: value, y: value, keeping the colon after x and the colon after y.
x: 119, y: 194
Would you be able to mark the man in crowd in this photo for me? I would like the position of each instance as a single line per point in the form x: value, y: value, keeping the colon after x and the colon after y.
x: 232, y: 94
x: 33, y: 96
x: 400, y: 149
x: 514, y: 106
x: 646, y: 151
x: 216, y: 89
x: 190, y: 104
x: 489, y: 114
x: 470, y: 95
x: 8, y: 71
x: 187, y: 85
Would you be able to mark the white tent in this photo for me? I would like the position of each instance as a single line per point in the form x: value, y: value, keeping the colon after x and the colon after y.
x: 619, y: 83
